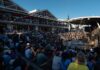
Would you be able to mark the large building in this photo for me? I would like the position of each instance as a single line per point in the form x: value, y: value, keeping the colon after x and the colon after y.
x: 14, y: 17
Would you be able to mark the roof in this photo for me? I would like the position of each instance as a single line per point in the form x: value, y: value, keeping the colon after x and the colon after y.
x: 90, y: 20
x: 61, y: 19
x: 84, y: 17
x: 9, y: 4
x: 33, y: 11
x: 42, y: 13
x: 87, y: 20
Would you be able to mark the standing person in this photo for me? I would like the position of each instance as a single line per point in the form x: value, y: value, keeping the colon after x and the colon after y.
x: 41, y: 57
x: 79, y: 64
x: 15, y: 38
x: 28, y: 51
x: 97, y: 63
x: 57, y: 62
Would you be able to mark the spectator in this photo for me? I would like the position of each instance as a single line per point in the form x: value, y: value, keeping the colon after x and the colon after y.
x: 57, y: 62
x: 79, y: 64
x: 41, y: 57
x: 28, y: 51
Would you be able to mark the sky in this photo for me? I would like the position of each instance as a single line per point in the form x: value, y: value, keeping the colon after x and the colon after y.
x: 63, y: 8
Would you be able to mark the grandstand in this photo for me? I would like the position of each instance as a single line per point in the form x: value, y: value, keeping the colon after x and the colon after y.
x: 14, y: 17
x: 91, y: 27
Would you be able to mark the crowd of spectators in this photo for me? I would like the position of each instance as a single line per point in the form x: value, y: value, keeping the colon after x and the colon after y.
x: 43, y: 51
x: 74, y: 35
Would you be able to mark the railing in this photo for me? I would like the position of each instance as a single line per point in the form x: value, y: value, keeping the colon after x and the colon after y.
x: 35, y: 23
